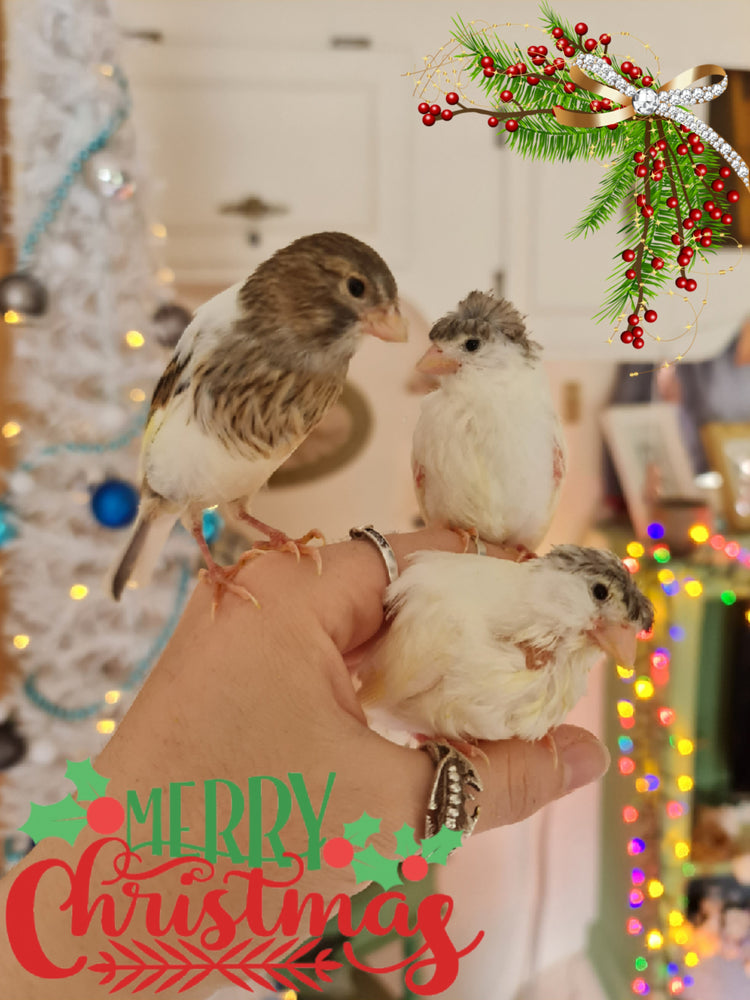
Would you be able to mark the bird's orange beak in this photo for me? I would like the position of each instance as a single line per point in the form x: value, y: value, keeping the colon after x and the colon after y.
x: 434, y: 362
x: 620, y: 641
x: 385, y: 323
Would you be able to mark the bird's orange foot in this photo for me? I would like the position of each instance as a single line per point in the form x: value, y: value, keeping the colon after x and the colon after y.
x: 549, y: 738
x: 222, y: 579
x: 524, y: 554
x: 468, y: 535
x: 279, y: 542
x: 466, y: 747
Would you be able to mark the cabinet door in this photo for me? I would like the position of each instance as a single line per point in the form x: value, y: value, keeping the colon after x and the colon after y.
x: 309, y: 132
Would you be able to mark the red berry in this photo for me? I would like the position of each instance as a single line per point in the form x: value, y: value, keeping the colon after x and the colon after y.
x: 489, y: 71
x: 560, y: 44
x: 641, y: 170
x: 672, y: 202
x: 612, y: 125
x: 581, y: 28
x: 446, y: 114
x: 726, y: 219
x: 639, y: 157
x: 559, y: 63
x: 701, y: 169
x: 337, y: 852
x: 718, y: 185
x: 414, y: 868
x: 725, y: 172
x: 640, y: 200
x: 630, y: 274
x: 657, y: 263
x: 647, y: 81
x: 549, y: 70
x: 698, y: 148
x: 733, y: 196
x: 626, y: 66
x: 538, y: 60
x: 676, y: 239
x: 683, y: 260
x: 638, y: 343
x: 532, y: 50
x: 492, y: 121
x: 635, y: 72
x: 435, y: 109
x: 633, y: 319
x: 690, y: 285
x: 532, y: 80
x: 428, y: 120
x: 595, y: 105
x: 657, y: 175
x: 680, y: 282
x: 707, y: 231
x: 650, y: 316
x: 706, y: 241
x: 709, y: 205
x: 693, y: 138
x: 506, y: 95
x: 689, y: 251
x: 451, y: 98
x: 486, y: 62
x: 511, y: 125
x: 542, y: 50
x: 423, y: 108
x: 695, y: 214
x: 647, y: 211
x: 607, y: 60
x: 557, y: 32
x: 626, y: 337
x: 569, y: 87
x: 628, y: 255
x: 659, y: 164
x: 605, y: 39
x: 715, y: 214
x: 590, y: 44
x: 637, y: 331
x: 682, y: 149
x: 521, y: 67
x: 687, y: 223
x: 105, y: 815
x: 569, y: 50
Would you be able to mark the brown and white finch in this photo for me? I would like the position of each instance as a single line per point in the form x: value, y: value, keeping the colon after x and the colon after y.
x: 488, y: 454
x: 487, y: 649
x: 254, y: 372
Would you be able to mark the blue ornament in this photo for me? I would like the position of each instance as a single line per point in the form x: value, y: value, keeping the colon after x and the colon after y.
x: 212, y: 525
x: 114, y: 503
x: 8, y: 529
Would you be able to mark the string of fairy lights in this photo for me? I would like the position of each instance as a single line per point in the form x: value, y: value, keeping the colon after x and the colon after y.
x: 656, y: 755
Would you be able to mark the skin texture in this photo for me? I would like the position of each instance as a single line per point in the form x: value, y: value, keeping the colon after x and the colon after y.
x: 268, y: 692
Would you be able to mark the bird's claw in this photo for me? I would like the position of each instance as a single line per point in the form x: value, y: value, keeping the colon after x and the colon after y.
x: 524, y: 554
x: 282, y: 543
x: 222, y: 579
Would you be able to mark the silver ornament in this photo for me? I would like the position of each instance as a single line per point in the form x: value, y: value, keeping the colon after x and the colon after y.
x: 22, y: 293
x: 170, y: 321
x: 105, y: 176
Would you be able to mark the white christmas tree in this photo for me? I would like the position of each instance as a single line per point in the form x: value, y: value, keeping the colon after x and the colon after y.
x: 82, y: 376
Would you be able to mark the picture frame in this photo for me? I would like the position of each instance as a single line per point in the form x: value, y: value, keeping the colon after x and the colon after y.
x: 727, y: 448
x: 730, y: 117
x: 650, y: 458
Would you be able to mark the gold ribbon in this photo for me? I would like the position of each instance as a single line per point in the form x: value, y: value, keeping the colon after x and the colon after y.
x: 585, y: 119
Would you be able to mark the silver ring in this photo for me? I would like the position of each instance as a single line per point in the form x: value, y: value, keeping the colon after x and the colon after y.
x: 452, y: 792
x: 382, y: 545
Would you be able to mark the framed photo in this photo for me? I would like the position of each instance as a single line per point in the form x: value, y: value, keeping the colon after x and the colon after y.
x: 731, y: 118
x: 650, y: 457
x: 728, y: 451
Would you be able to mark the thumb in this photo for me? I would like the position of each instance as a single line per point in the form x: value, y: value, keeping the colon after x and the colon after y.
x: 522, y: 776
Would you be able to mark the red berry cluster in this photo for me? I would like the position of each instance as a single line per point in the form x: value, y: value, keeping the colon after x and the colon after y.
x: 634, y: 333
x: 431, y: 112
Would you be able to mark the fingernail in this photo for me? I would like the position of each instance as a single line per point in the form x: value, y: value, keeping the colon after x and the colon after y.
x: 583, y: 761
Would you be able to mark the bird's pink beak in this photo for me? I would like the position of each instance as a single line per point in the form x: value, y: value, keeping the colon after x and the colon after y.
x: 620, y: 641
x: 385, y: 323
x: 434, y: 362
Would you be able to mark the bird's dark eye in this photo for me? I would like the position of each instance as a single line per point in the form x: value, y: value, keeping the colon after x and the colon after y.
x: 600, y: 592
x: 472, y: 345
x: 356, y: 287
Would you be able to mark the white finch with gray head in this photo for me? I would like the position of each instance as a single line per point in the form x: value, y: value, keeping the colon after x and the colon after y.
x: 487, y: 649
x: 488, y: 452
x: 254, y: 372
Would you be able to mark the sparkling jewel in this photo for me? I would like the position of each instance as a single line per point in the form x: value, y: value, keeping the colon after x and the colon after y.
x: 645, y: 102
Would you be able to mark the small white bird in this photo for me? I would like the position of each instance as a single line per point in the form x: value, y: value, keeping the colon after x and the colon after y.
x: 487, y: 649
x: 257, y: 368
x: 488, y: 454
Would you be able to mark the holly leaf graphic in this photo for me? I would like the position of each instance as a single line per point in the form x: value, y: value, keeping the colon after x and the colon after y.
x: 436, y: 849
x: 89, y: 784
x: 371, y: 866
x: 64, y: 819
x: 406, y: 844
x: 358, y: 832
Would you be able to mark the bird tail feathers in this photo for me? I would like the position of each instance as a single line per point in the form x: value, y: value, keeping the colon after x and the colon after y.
x: 147, y: 539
